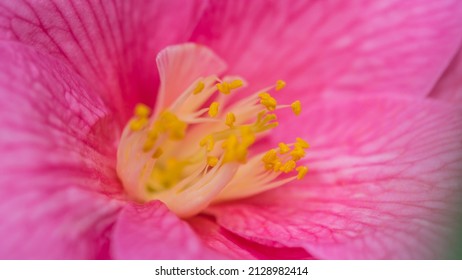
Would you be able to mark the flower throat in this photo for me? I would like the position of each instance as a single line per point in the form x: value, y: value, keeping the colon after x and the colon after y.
x: 198, y: 151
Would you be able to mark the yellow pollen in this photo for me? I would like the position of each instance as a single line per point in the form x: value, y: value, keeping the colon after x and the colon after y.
x: 169, y: 122
x: 212, y: 161
x: 199, y: 88
x: 270, y: 156
x: 288, y: 166
x: 283, y: 148
x: 280, y: 84
x: 137, y: 124
x: 302, y: 143
x: 186, y: 159
x: 157, y: 153
x: 268, y: 101
x: 142, y: 111
x: 297, y: 153
x: 213, y: 109
x: 208, y: 142
x: 276, y: 165
x: 302, y: 170
x: 224, y: 88
x: 296, y: 107
x: 230, y: 119
x: 236, y: 84
x: 148, y: 145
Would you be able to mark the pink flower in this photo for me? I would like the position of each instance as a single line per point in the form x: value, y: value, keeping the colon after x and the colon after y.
x: 381, y: 94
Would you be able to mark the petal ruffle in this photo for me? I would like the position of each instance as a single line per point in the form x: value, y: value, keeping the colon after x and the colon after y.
x: 449, y: 87
x: 326, y: 47
x: 57, y: 165
x: 385, y: 177
x: 151, y: 231
x: 112, y: 44
x: 179, y: 66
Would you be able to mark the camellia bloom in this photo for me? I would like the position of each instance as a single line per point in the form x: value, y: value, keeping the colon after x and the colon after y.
x: 104, y: 158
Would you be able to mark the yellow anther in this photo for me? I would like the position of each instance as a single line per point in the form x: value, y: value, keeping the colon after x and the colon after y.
x: 230, y: 146
x: 268, y: 101
x: 247, y: 136
x: 199, y: 88
x: 208, y: 142
x: 288, y: 166
x: 148, y: 145
x: 153, y: 134
x: 230, y: 119
x: 157, y: 153
x: 283, y: 148
x: 297, y: 153
x: 224, y: 88
x: 302, y: 143
x: 277, y: 165
x: 169, y: 122
x: 280, y: 84
x: 212, y: 161
x: 142, y: 111
x: 236, y: 84
x: 270, y: 156
x: 302, y: 170
x: 138, y: 123
x: 213, y: 109
x: 296, y: 107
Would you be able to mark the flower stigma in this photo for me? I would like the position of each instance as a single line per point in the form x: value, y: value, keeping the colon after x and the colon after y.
x: 198, y: 150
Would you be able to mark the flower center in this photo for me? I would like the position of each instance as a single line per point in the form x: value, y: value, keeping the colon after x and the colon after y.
x: 198, y: 151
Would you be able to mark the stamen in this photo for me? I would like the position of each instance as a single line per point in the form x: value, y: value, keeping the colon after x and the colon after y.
x: 296, y: 107
x: 188, y: 160
x: 198, y: 89
x: 283, y: 148
x: 268, y: 101
x: 280, y: 84
x: 208, y: 142
x: 226, y: 87
x: 230, y: 119
x: 142, y: 111
x: 213, y: 109
x: 302, y: 170
x: 212, y: 161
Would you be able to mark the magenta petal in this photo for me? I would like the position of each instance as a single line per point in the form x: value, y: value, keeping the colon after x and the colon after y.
x: 322, y: 47
x: 384, y: 181
x: 151, y: 231
x: 230, y: 244
x: 57, y: 165
x: 112, y: 44
x: 449, y: 87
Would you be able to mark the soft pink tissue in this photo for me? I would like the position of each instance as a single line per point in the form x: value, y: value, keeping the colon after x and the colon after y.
x: 176, y: 129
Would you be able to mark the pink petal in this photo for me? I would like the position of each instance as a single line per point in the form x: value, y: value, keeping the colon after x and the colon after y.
x: 384, y: 182
x: 151, y: 231
x: 322, y: 47
x: 227, y: 243
x: 180, y: 65
x: 57, y: 165
x: 112, y: 44
x: 449, y: 87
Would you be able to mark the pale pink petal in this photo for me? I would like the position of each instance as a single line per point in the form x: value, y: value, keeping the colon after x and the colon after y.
x: 385, y: 176
x: 449, y: 87
x: 322, y: 47
x: 112, y: 44
x: 180, y: 65
x: 151, y: 231
x: 237, y: 247
x: 57, y: 161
